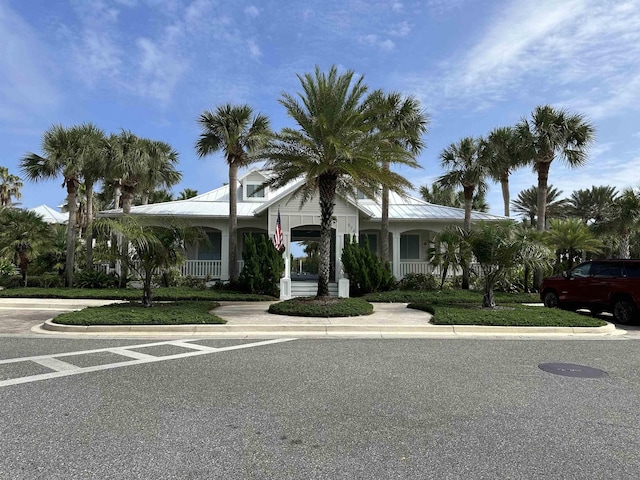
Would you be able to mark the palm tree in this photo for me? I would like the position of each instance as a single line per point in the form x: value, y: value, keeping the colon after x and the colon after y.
x: 138, y: 164
x: 553, y: 133
x: 22, y: 234
x: 447, y: 196
x: 466, y: 163
x: 404, y: 119
x: 592, y: 205
x: 501, y: 247
x: 161, y: 168
x: 187, y: 193
x: 238, y: 133
x: 10, y: 186
x: 624, y: 220
x: 526, y: 204
x: 65, y: 152
x: 505, y: 156
x: 154, y: 248
x: 571, y: 236
x: 336, y: 149
x: 447, y: 252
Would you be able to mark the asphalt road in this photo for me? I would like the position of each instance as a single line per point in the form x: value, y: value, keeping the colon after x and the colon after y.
x: 316, y: 409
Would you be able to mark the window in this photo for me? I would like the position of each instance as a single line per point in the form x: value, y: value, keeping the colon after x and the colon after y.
x: 632, y: 269
x: 253, y: 192
x: 371, y: 238
x: 606, y: 270
x: 360, y: 195
x: 212, y: 250
x: 410, y: 247
x: 581, y: 271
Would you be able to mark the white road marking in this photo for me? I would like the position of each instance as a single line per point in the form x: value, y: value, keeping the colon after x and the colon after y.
x: 55, y: 364
x: 139, y: 358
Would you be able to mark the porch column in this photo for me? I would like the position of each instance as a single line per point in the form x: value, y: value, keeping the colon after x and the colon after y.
x: 396, y: 256
x: 224, y: 256
x: 339, y: 248
x: 287, y: 255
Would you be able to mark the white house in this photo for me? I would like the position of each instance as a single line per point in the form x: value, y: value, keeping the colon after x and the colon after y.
x: 50, y: 215
x: 412, y: 225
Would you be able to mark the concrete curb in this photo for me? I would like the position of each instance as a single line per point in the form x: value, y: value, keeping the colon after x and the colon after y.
x: 288, y: 330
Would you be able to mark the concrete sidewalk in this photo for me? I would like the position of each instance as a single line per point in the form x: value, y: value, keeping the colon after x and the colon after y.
x: 251, y: 320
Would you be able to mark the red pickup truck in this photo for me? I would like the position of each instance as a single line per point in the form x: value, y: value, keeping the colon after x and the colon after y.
x: 599, y: 286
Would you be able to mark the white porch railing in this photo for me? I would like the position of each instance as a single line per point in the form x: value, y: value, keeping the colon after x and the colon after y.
x: 202, y: 268
x: 415, y: 267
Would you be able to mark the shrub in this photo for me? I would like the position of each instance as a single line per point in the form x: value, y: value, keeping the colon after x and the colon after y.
x: 11, y: 281
x: 95, y: 279
x: 365, y: 270
x: 422, y: 305
x: 418, y: 281
x: 7, y: 268
x: 170, y: 277
x: 326, y: 307
x: 263, y: 267
x: 193, y: 282
x: 133, y: 313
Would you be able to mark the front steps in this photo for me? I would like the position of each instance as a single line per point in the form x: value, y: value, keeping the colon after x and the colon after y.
x: 309, y: 289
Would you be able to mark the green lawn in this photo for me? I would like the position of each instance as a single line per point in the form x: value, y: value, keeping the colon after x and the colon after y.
x: 160, y: 294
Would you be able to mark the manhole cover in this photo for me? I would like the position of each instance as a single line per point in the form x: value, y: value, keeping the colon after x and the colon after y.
x: 572, y: 370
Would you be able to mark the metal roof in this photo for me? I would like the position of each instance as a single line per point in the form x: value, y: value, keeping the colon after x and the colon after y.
x: 215, y: 203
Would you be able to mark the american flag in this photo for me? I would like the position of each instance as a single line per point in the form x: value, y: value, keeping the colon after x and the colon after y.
x: 277, y: 238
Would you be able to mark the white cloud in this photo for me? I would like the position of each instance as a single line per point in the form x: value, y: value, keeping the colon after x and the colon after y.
x: 252, y: 11
x: 547, y: 46
x: 397, y: 6
x: 401, y: 29
x: 254, y: 50
x: 372, y: 40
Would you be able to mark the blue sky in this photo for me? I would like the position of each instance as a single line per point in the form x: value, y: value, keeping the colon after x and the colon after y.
x: 152, y: 66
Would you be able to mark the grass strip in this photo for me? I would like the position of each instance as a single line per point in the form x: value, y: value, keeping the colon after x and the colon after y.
x: 448, y: 297
x: 160, y: 294
x: 325, y: 308
x: 510, y: 316
x: 133, y: 313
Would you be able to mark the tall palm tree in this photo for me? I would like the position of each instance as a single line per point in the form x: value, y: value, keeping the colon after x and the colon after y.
x: 336, y: 149
x: 549, y: 134
x: 22, y: 234
x: 405, y: 121
x: 161, y: 169
x: 505, y: 156
x: 467, y: 166
x: 10, y: 186
x: 238, y: 133
x: 136, y: 164
x: 65, y: 153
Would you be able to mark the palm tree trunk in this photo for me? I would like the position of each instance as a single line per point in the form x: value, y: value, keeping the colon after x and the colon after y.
x: 624, y: 250
x: 145, y: 198
x: 127, y: 199
x: 504, y: 183
x: 23, y: 261
x: 72, y: 187
x: 384, y: 224
x: 233, y: 220
x: 146, y: 289
x: 89, y: 229
x: 543, y: 178
x: 327, y: 185
x: 468, y: 203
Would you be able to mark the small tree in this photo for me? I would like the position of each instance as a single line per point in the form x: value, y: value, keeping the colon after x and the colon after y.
x: 448, y: 251
x: 263, y: 267
x: 499, y: 248
x: 153, y: 248
x: 365, y: 269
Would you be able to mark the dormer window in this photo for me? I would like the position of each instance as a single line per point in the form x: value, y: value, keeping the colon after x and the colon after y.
x: 252, y: 191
